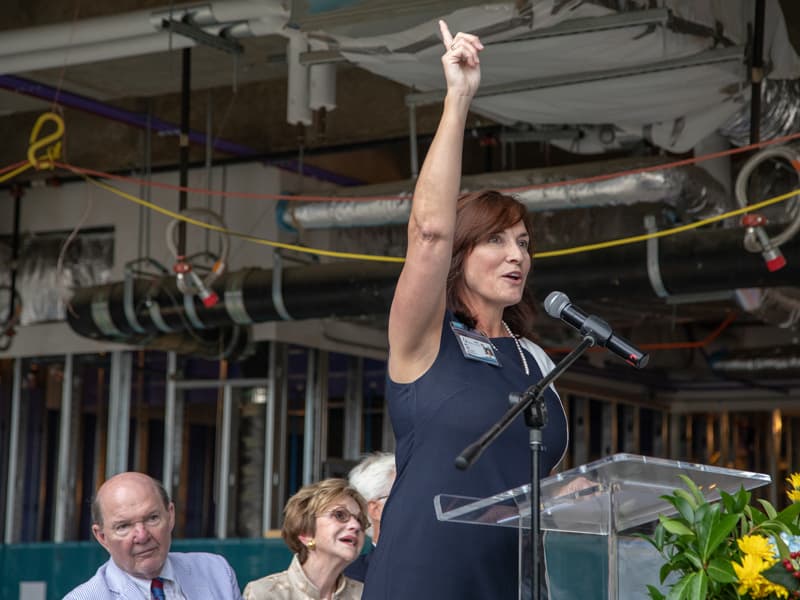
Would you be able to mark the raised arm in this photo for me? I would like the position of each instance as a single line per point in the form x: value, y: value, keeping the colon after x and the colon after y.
x: 419, y: 300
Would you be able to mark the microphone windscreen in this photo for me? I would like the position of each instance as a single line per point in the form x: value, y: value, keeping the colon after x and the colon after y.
x: 555, y: 303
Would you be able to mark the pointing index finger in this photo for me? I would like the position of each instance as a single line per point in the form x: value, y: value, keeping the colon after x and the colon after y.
x: 447, y: 37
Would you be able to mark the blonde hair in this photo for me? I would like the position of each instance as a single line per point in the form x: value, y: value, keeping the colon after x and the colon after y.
x: 301, y: 511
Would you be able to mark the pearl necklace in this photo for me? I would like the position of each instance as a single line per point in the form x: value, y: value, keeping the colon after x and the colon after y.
x: 519, y: 348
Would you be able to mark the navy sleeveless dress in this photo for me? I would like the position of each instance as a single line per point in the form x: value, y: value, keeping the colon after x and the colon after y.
x: 434, y: 419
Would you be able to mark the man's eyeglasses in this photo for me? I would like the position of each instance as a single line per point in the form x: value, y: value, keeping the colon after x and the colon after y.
x: 343, y: 515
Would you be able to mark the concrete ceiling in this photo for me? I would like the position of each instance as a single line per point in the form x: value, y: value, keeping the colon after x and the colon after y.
x: 365, y: 139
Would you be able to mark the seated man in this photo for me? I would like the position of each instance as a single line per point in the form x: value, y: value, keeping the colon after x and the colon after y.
x: 133, y: 518
x: 373, y: 478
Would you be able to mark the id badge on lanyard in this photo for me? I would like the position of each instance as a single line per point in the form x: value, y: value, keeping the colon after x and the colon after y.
x: 474, y: 345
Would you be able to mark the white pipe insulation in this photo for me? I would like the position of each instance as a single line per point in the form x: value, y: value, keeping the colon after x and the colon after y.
x: 298, y: 110
x: 322, y: 82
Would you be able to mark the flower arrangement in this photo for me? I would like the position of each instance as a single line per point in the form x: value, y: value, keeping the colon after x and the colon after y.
x: 728, y: 550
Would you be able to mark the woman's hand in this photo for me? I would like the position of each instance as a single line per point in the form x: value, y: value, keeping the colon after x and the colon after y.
x: 461, y: 64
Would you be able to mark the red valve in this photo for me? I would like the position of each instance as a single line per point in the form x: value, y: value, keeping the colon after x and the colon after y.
x: 773, y: 257
x: 181, y: 267
x: 753, y: 220
x: 775, y: 260
x: 209, y: 298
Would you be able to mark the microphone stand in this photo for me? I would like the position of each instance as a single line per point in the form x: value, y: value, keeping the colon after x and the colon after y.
x: 531, y: 401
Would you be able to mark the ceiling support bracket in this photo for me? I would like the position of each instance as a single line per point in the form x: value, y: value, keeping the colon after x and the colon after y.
x: 277, y: 291
x: 657, y: 283
x: 188, y: 29
x: 653, y: 269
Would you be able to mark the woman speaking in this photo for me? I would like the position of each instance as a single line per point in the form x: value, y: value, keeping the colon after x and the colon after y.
x: 457, y: 347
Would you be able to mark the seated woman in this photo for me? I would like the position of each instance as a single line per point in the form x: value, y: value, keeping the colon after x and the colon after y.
x: 324, y: 526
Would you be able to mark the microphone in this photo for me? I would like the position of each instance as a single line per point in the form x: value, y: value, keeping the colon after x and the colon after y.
x: 558, y: 306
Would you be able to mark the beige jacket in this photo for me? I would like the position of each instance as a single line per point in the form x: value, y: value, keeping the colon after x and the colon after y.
x: 292, y: 584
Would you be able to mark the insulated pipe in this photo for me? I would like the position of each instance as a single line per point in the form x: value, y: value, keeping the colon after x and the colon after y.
x: 694, y: 262
x: 778, y: 115
x: 321, y: 84
x: 16, y: 191
x: 690, y: 188
x: 778, y: 359
x: 298, y: 110
x: 342, y: 289
x: 90, y: 53
x: 9, y: 322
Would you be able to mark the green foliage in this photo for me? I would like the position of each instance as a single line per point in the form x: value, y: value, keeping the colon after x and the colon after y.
x: 699, y: 543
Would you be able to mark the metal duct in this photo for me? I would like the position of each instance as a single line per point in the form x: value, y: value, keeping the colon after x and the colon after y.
x: 157, y: 307
x: 696, y: 262
x: 779, y: 360
x: 778, y: 306
x: 42, y: 285
x: 690, y: 188
x: 780, y: 113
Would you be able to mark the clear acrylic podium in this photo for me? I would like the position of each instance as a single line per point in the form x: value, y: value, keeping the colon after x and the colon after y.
x: 587, y: 511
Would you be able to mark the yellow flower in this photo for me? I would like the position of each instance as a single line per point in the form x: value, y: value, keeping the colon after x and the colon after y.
x: 758, y: 557
x: 774, y: 588
x: 749, y: 575
x: 794, y: 481
x: 758, y: 546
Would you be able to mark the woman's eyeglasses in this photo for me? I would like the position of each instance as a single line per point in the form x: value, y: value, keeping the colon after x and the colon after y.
x: 343, y: 516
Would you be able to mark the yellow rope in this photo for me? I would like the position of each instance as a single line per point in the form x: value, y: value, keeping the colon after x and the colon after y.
x: 51, y: 144
x: 665, y: 232
x: 244, y: 236
x: 395, y: 259
x: 15, y: 172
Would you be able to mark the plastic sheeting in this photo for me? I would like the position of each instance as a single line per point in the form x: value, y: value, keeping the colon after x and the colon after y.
x: 44, y: 288
x: 675, y: 108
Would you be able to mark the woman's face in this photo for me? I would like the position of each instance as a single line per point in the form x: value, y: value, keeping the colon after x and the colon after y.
x: 339, y: 532
x: 496, y: 269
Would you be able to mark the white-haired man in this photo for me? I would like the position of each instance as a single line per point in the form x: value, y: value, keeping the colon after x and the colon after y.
x: 132, y: 519
x: 373, y: 478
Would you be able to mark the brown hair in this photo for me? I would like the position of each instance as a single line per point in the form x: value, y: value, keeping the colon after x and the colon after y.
x: 301, y: 511
x: 478, y: 215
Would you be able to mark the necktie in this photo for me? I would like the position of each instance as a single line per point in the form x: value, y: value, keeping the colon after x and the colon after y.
x: 157, y: 589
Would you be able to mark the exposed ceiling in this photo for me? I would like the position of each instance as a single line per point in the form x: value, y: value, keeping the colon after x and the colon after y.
x: 568, y: 85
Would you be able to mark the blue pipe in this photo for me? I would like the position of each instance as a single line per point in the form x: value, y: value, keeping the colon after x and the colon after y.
x: 140, y: 120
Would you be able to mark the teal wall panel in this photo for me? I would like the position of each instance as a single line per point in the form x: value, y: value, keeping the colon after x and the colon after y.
x: 63, y: 566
